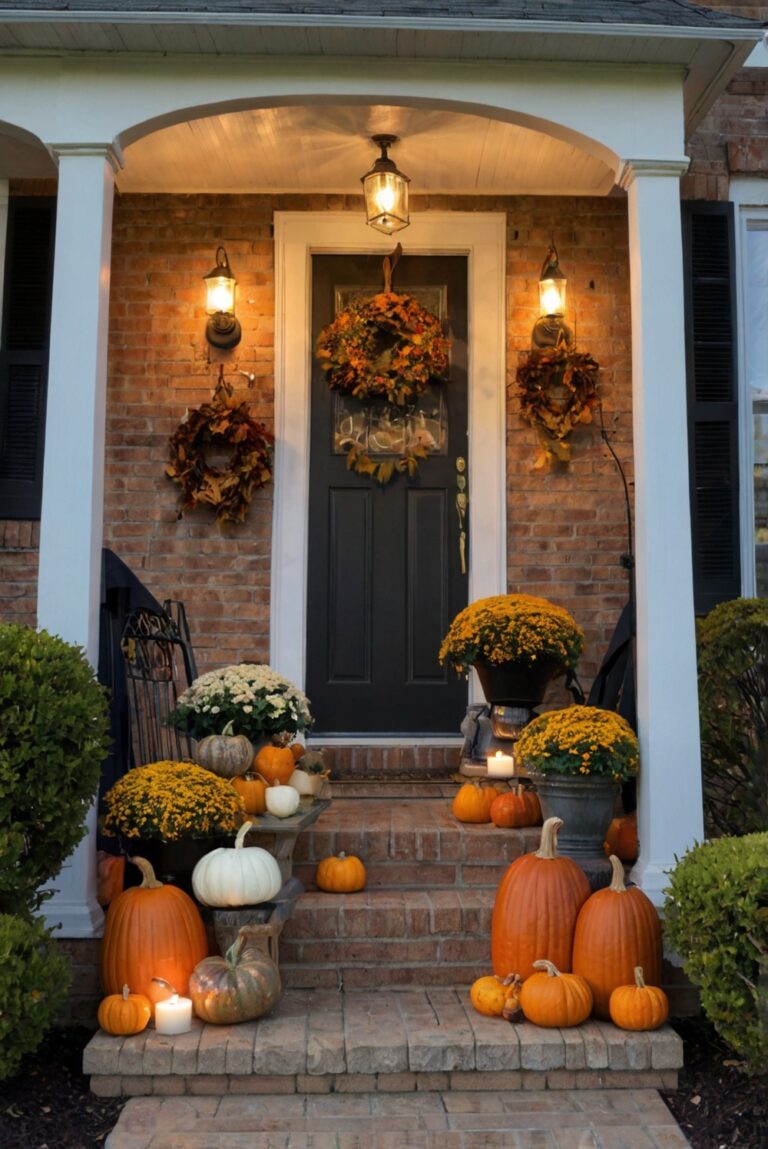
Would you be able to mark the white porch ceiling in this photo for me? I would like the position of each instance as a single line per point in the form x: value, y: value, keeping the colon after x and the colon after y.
x: 326, y: 148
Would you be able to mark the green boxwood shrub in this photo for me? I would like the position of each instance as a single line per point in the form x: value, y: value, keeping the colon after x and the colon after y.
x: 732, y: 646
x: 34, y: 979
x: 53, y: 739
x: 716, y: 918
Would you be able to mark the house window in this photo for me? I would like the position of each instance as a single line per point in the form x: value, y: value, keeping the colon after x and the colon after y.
x: 24, y: 342
x: 755, y: 318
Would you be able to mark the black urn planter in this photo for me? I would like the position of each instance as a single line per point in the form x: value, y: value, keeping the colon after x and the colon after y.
x: 517, y: 684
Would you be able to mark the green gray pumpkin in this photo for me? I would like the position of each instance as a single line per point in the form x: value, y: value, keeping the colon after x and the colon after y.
x: 241, y: 986
x: 225, y: 754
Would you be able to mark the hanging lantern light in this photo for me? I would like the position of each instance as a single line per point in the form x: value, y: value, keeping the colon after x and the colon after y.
x: 386, y: 191
x: 223, y: 328
x: 550, y: 329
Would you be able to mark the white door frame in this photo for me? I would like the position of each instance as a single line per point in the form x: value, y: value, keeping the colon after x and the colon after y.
x: 481, y: 236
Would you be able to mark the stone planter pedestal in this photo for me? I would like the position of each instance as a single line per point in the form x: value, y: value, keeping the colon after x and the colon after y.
x: 586, y: 806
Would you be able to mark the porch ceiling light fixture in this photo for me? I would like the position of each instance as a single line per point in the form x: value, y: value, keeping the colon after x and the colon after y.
x: 223, y: 329
x: 550, y: 329
x: 386, y: 191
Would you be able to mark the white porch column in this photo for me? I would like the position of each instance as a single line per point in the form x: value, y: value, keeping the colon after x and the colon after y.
x: 71, y: 521
x: 669, y: 792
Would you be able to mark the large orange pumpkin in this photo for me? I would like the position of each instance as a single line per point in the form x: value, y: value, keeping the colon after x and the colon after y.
x: 617, y: 929
x: 473, y: 802
x: 536, y: 906
x: 151, y: 931
x: 275, y: 764
x: 518, y: 807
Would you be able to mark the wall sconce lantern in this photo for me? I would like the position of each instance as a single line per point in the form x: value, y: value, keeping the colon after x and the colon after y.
x: 386, y: 191
x: 223, y: 329
x: 550, y: 329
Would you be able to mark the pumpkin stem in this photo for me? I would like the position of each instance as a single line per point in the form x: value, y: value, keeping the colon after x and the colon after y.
x: 260, y: 777
x: 229, y: 729
x: 617, y: 879
x: 341, y: 855
x: 548, y: 846
x: 232, y: 956
x: 241, y: 833
x: 549, y: 966
x: 149, y: 881
x: 126, y: 991
x: 639, y: 979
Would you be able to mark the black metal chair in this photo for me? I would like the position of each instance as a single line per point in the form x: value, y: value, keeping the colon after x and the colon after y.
x: 159, y: 666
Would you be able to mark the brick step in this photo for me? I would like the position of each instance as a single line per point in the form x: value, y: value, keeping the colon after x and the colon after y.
x: 323, y: 1041
x: 387, y: 938
x: 411, y: 843
x: 411, y: 761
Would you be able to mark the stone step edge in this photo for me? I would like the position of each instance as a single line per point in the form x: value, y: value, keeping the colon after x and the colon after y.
x: 179, y: 1085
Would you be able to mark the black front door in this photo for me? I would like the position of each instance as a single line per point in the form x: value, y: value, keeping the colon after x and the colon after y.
x: 386, y: 573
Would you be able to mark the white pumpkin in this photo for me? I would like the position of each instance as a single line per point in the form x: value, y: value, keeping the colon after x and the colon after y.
x: 302, y: 783
x: 243, y: 876
x: 282, y: 801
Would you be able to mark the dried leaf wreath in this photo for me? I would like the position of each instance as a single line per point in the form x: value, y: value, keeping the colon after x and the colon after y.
x: 223, y: 423
x: 557, y: 388
x: 388, y: 347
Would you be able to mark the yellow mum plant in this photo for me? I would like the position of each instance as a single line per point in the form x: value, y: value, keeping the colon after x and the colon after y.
x: 512, y: 627
x: 580, y: 740
x: 172, y: 800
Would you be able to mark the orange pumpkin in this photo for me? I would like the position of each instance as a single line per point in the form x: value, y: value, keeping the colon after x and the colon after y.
x: 124, y: 1013
x: 252, y: 790
x: 516, y: 808
x: 617, y: 929
x: 151, y: 931
x: 536, y: 907
x: 110, y: 876
x: 555, y: 1000
x: 495, y: 996
x: 638, y: 1006
x: 275, y: 764
x: 473, y: 802
x: 298, y: 750
x: 341, y: 875
x: 621, y: 838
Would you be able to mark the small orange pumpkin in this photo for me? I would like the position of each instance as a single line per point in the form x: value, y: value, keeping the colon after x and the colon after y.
x: 638, y: 1006
x: 275, y: 764
x: 341, y: 875
x: 298, y: 750
x: 473, y: 802
x: 252, y: 790
x: 553, y: 999
x: 516, y: 808
x: 110, y: 877
x: 621, y: 838
x: 122, y: 1014
x: 495, y: 996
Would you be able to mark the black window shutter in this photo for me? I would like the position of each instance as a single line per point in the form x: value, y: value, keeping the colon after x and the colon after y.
x: 24, y: 354
x: 713, y: 431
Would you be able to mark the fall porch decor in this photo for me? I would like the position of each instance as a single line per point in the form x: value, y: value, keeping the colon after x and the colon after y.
x: 557, y: 389
x: 225, y: 424
x: 388, y: 348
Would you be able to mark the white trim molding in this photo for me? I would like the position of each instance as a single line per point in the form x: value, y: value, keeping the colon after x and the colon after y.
x: 481, y: 236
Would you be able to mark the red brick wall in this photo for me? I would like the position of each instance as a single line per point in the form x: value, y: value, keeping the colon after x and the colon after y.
x: 733, y: 137
x: 566, y: 531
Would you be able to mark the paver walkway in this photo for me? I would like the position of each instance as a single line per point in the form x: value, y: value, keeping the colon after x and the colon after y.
x: 533, y: 1119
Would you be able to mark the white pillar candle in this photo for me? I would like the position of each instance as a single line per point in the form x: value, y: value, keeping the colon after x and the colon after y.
x: 501, y: 765
x: 174, y: 1015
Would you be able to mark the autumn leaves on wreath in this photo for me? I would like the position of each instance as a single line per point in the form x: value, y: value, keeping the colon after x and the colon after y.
x: 557, y: 389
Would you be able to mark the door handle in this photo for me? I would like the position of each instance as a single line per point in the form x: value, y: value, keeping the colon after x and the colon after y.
x: 462, y: 506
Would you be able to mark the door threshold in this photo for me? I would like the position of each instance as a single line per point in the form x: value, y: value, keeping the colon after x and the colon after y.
x: 386, y: 740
